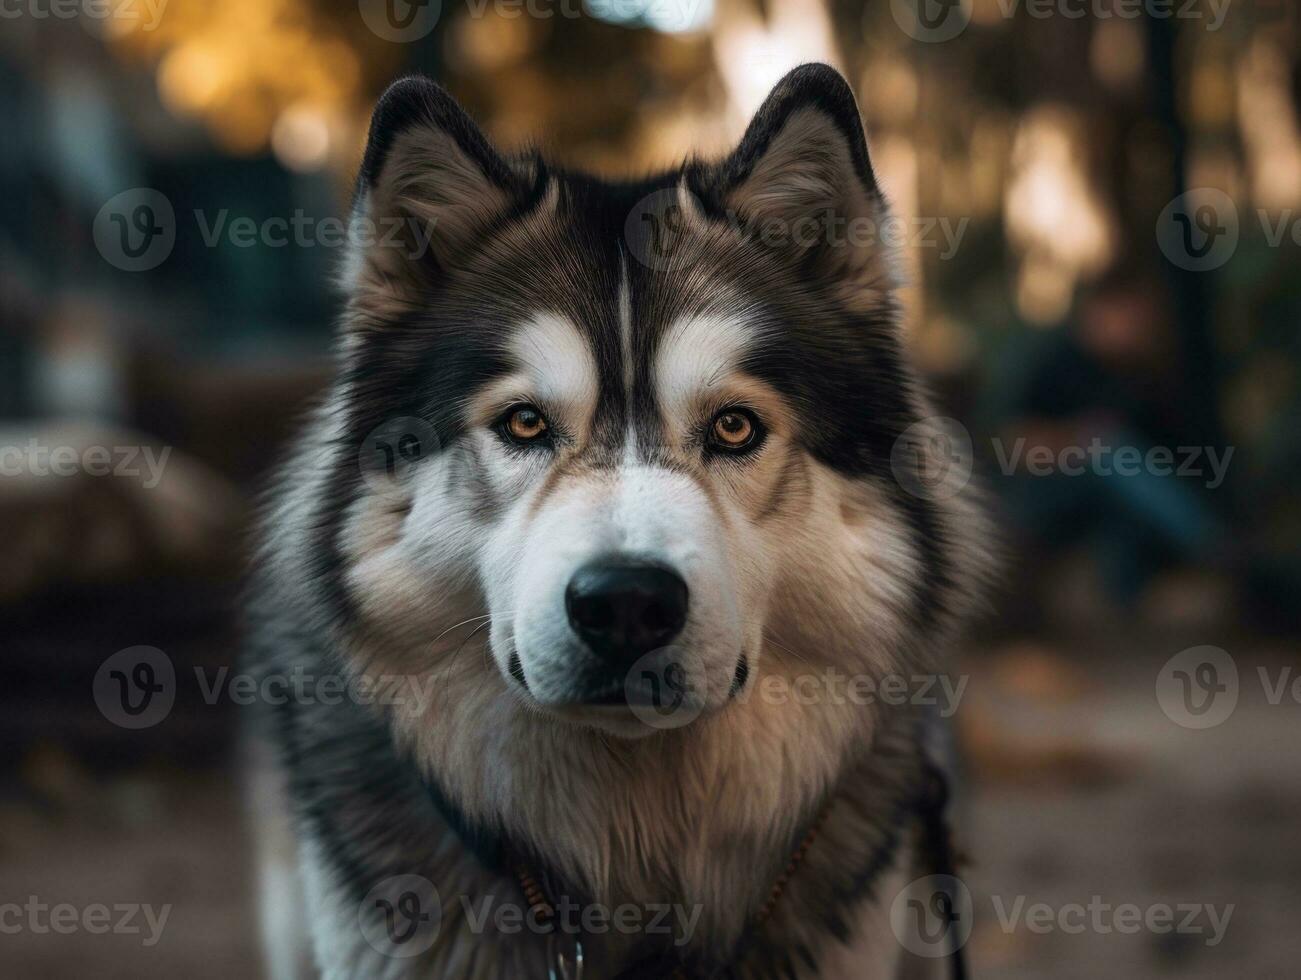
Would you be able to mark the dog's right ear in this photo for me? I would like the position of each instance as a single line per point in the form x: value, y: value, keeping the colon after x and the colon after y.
x: 431, y: 186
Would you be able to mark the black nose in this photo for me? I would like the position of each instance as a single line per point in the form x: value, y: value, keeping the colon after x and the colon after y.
x: 624, y: 608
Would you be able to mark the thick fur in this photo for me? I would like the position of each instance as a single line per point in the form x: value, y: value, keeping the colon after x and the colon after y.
x: 443, y: 585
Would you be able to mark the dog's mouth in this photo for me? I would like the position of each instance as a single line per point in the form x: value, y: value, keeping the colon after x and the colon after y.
x: 665, y: 696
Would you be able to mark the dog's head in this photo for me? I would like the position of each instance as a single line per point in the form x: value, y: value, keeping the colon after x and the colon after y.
x: 638, y: 434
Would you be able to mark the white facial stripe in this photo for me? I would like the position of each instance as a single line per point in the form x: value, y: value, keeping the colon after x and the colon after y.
x: 556, y: 367
x: 557, y: 360
x: 696, y: 354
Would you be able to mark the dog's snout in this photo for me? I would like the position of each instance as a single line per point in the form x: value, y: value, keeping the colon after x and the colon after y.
x: 623, y: 608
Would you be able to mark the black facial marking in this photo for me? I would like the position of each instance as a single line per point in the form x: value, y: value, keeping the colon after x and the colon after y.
x: 516, y: 670
x: 740, y: 677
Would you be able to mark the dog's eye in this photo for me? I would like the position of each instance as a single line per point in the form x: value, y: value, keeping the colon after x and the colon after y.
x: 524, y: 424
x: 734, y: 430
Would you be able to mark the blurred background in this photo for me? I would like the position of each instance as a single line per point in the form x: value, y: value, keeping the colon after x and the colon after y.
x: 1103, y: 209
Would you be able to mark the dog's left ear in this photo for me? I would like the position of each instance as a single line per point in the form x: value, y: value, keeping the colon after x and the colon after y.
x: 801, y: 179
x: 430, y: 191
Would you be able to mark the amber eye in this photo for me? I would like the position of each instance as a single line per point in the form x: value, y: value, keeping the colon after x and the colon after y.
x: 734, y: 430
x: 525, y: 423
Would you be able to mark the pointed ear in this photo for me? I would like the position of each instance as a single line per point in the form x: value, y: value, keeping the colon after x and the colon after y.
x: 801, y: 180
x: 430, y: 187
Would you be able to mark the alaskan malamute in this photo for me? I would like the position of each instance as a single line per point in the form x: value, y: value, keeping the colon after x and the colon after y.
x: 591, y: 576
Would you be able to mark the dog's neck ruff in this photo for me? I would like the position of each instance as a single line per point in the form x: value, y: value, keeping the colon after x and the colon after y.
x: 570, y: 966
x: 921, y: 808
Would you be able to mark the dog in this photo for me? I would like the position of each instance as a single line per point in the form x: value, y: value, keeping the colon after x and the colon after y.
x: 607, y: 486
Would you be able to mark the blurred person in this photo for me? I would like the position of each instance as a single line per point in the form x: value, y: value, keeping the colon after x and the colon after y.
x: 1073, y: 409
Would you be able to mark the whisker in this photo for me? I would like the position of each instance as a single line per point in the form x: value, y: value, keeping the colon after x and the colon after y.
x: 451, y: 661
x: 772, y: 638
x: 459, y: 625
